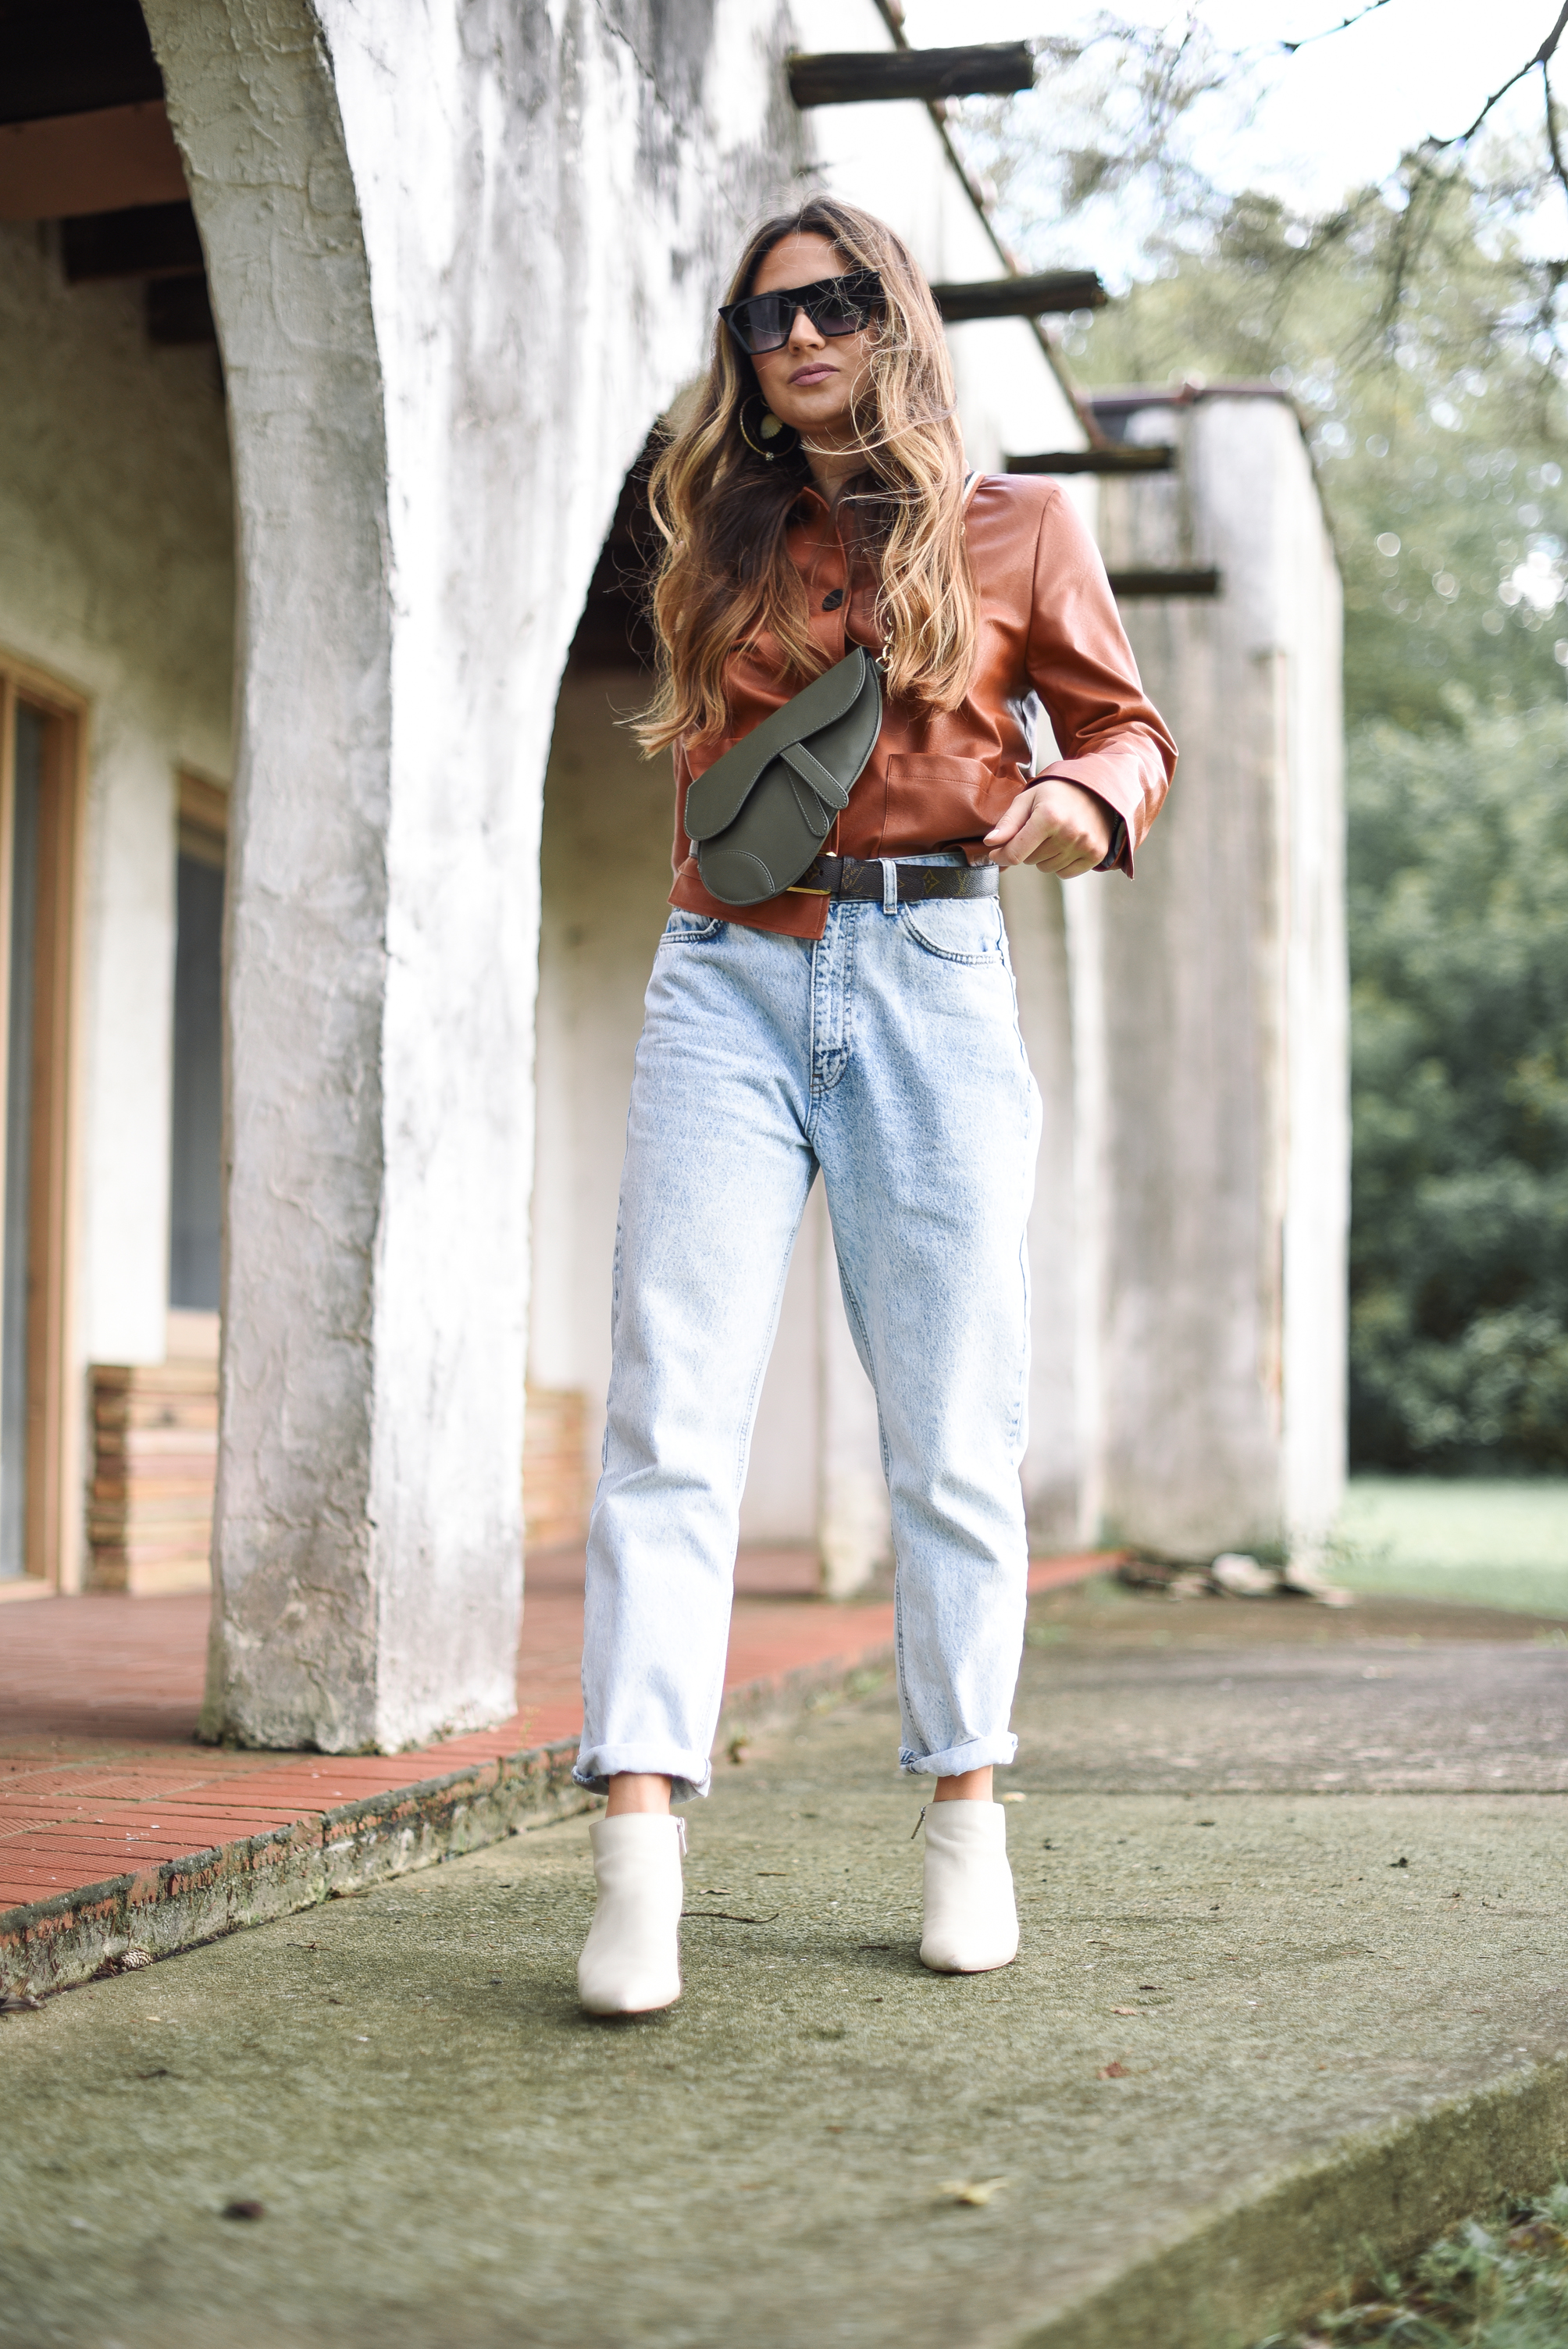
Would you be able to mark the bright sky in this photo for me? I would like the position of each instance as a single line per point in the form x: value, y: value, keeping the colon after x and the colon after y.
x: 1338, y: 113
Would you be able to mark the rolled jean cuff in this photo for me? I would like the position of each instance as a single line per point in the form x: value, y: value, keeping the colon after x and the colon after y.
x: 980, y: 1754
x: 690, y: 1775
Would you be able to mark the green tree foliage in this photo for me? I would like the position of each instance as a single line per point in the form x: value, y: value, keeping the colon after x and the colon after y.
x: 1430, y: 390
x: 1459, y: 922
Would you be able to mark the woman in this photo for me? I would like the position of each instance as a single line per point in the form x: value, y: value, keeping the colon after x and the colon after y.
x: 861, y: 1023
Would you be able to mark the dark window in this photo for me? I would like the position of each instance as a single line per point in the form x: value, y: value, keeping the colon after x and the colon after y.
x: 20, y: 1017
x: 195, y: 1222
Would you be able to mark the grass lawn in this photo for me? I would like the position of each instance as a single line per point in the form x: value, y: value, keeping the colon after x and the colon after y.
x: 1502, y: 2284
x: 1496, y: 1541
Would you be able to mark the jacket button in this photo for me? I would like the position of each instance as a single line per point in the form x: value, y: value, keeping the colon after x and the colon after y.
x: 830, y: 602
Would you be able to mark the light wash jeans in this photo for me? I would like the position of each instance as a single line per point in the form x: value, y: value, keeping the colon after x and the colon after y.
x: 888, y: 1055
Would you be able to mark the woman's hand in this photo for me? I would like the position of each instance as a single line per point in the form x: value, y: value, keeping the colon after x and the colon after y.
x: 1054, y: 824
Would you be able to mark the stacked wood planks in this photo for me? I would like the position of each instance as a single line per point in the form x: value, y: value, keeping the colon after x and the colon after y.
x: 150, y: 1512
x: 155, y: 1438
x: 555, y: 1489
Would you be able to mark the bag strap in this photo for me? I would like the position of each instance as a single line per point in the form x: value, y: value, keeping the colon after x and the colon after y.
x: 814, y: 775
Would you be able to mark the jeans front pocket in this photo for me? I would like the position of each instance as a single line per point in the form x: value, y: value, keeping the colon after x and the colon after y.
x: 684, y: 929
x: 958, y: 929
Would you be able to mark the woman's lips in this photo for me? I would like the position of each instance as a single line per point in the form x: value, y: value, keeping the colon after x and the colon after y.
x: 804, y: 378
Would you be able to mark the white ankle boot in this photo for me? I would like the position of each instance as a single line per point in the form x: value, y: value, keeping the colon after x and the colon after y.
x: 971, y: 1918
x: 630, y: 1962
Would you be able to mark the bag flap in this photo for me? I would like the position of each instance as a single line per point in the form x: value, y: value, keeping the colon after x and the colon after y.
x: 717, y: 797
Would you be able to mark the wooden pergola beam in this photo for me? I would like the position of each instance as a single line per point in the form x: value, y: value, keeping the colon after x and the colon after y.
x: 1055, y: 290
x: 854, y: 77
x: 1151, y: 583
x: 146, y: 241
x: 1157, y: 457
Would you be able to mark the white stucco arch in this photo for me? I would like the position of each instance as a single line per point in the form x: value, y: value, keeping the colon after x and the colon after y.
x: 451, y: 296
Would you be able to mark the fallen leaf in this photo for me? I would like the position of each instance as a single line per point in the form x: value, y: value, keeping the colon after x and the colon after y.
x: 1151, y: 1985
x: 1014, y: 1798
x: 1113, y: 2072
x: 16, y: 2001
x: 1124, y: 2010
x: 162, y: 2073
x: 736, y: 1749
x: 974, y: 2191
x: 714, y: 1892
x: 244, y: 2209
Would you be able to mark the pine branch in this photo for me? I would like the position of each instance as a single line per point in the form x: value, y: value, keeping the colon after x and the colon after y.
x: 1542, y: 58
x: 1553, y: 142
x: 1290, y: 47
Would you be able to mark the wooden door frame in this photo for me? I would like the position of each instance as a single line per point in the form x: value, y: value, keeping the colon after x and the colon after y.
x: 56, y: 1531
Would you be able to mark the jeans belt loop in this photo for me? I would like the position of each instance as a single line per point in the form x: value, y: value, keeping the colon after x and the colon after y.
x: 890, y: 883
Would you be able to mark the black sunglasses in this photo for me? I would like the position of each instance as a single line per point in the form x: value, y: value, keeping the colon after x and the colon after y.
x: 835, y: 306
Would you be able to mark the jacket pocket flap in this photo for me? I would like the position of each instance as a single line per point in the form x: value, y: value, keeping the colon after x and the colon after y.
x: 715, y: 799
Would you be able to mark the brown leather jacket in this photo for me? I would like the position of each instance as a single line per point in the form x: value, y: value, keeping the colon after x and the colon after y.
x: 1049, y: 628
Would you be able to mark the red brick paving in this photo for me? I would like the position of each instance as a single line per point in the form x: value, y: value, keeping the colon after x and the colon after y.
x: 98, y: 1697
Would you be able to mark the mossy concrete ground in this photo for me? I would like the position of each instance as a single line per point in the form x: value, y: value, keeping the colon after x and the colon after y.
x: 1293, y: 1985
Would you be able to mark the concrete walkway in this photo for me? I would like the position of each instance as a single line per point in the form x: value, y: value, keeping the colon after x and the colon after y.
x: 1293, y: 1979
x: 121, y: 1838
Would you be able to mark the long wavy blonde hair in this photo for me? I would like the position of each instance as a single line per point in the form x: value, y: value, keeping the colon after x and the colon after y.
x: 723, y: 576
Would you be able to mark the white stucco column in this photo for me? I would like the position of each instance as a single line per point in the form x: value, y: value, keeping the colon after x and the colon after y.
x: 1225, y: 1151
x: 459, y: 259
x: 1059, y: 1241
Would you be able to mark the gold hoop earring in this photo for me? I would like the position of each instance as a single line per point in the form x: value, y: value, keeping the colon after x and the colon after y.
x: 776, y: 439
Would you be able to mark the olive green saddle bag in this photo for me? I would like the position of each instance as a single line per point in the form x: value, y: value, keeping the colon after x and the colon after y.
x: 760, y: 815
